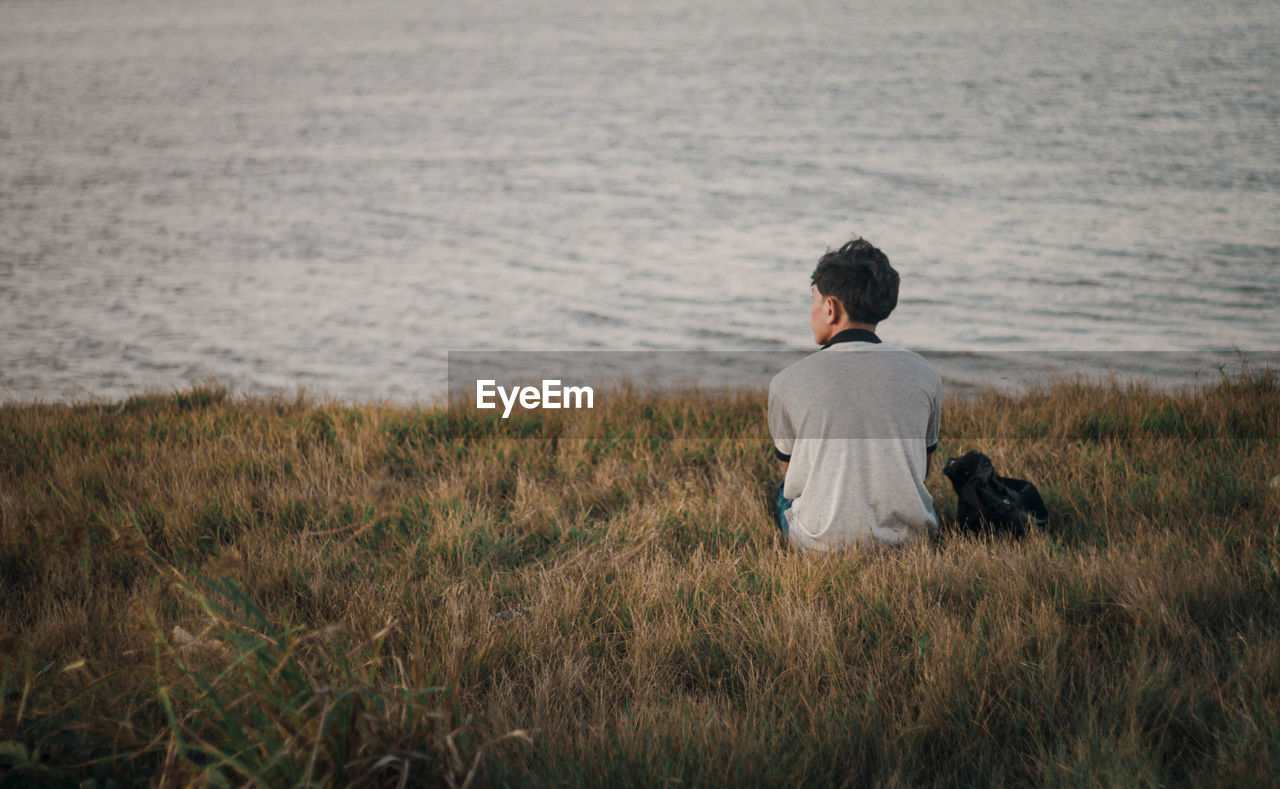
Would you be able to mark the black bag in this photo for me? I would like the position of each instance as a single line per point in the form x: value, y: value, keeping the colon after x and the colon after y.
x: 990, y: 502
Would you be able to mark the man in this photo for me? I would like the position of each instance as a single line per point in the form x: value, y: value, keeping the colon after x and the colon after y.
x: 855, y: 423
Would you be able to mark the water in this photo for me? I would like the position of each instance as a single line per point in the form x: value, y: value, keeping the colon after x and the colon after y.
x: 335, y: 194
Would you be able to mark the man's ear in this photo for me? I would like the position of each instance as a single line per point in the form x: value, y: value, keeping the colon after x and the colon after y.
x: 833, y: 310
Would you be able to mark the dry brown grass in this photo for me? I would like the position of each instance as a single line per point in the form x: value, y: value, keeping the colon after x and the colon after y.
x: 287, y: 590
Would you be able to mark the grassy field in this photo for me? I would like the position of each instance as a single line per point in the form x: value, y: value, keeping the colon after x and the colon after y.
x: 211, y: 590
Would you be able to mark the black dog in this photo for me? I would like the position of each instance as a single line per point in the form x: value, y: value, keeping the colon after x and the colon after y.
x: 989, y: 502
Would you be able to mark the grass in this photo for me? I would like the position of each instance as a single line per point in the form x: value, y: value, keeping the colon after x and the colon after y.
x: 201, y: 589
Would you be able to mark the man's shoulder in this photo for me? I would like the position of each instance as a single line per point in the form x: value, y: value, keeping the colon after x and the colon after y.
x: 911, y: 360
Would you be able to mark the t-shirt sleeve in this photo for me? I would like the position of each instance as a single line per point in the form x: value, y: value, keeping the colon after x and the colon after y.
x: 780, y: 427
x: 935, y: 419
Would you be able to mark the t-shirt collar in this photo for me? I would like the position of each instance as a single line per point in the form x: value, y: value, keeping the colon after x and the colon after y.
x: 853, y: 335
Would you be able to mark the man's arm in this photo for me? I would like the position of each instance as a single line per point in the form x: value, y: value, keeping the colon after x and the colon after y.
x: 780, y: 428
x: 935, y: 423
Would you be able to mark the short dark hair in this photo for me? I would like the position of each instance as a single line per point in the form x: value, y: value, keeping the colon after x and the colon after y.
x: 859, y: 275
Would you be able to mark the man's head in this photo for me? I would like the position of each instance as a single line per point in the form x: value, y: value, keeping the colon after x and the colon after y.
x: 853, y: 287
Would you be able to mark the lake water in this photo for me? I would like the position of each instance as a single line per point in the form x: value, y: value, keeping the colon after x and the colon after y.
x: 336, y: 195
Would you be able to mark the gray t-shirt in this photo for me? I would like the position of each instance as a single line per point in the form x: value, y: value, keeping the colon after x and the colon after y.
x: 856, y: 420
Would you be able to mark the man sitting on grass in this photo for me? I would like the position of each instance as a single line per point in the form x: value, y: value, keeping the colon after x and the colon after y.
x: 855, y: 423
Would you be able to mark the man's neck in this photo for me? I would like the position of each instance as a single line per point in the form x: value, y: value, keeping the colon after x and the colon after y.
x: 847, y: 324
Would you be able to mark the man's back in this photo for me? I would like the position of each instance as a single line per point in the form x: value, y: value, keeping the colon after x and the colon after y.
x: 855, y: 421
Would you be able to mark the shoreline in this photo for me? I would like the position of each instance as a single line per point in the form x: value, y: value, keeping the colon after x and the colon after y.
x: 964, y: 373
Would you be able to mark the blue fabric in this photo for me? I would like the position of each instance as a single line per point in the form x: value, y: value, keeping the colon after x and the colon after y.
x: 781, y: 505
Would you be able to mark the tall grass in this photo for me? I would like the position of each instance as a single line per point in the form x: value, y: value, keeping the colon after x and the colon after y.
x: 200, y: 588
